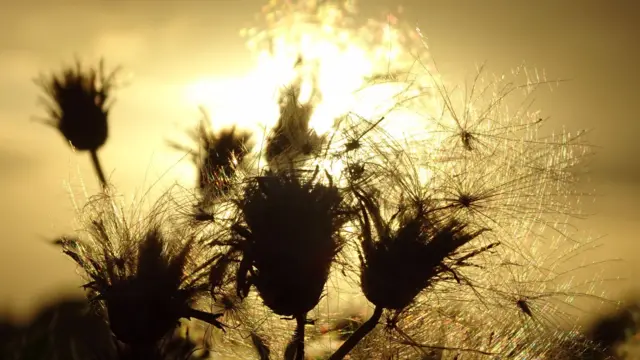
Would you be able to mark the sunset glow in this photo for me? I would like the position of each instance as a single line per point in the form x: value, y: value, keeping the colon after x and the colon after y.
x: 318, y: 165
x: 357, y: 71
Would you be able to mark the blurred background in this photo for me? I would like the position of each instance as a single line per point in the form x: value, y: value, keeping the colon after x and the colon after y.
x: 178, y: 54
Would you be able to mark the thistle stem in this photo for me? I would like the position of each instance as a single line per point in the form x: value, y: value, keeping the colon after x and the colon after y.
x: 301, y: 322
x: 98, y: 168
x: 211, y: 319
x: 358, y: 335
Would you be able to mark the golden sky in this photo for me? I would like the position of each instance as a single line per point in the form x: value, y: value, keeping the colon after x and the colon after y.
x: 167, y: 45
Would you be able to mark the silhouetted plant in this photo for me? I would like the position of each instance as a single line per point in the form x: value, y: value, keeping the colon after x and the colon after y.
x: 413, y: 248
x: 67, y: 329
x: 139, y: 274
x: 438, y: 223
x: 217, y: 155
x: 614, y: 335
x: 287, y: 240
x: 64, y: 329
x: 78, y: 106
x: 292, y: 137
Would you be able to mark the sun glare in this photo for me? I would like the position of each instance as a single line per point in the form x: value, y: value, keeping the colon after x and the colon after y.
x: 379, y: 72
x: 334, y: 60
x: 243, y: 102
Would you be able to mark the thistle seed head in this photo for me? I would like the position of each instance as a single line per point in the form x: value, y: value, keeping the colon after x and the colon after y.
x: 222, y: 154
x: 292, y: 137
x: 139, y: 278
x: 77, y: 104
x: 217, y: 154
x: 409, y: 253
x: 289, y: 239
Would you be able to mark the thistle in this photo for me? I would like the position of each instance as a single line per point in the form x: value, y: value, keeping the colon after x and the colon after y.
x: 286, y: 243
x: 139, y: 276
x: 217, y: 155
x: 412, y: 250
x: 292, y: 137
x: 78, y: 106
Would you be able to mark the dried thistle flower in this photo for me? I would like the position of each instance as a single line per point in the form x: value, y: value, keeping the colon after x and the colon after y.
x: 139, y: 273
x: 217, y: 155
x: 405, y: 260
x: 286, y: 243
x: 292, y: 137
x: 410, y: 253
x: 78, y: 106
x: 288, y: 240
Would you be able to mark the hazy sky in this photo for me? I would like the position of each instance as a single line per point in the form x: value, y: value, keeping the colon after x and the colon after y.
x: 169, y: 44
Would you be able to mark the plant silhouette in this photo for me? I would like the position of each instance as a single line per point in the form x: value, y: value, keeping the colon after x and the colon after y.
x: 78, y: 104
x: 139, y: 279
x: 69, y: 329
x: 217, y: 155
x: 440, y: 229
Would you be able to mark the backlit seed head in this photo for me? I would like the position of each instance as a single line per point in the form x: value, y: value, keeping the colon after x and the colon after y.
x: 410, y: 251
x: 139, y: 274
x: 288, y: 240
x: 77, y: 102
x: 292, y: 138
x: 217, y: 155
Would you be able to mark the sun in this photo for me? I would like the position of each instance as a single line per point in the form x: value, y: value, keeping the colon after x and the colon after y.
x: 242, y: 102
x: 344, y: 70
x: 202, y: 90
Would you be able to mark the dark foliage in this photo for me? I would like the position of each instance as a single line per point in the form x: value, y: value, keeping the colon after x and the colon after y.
x: 66, y: 329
